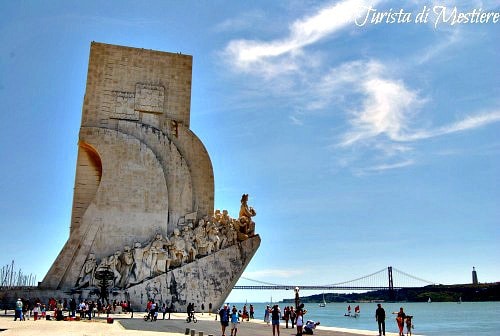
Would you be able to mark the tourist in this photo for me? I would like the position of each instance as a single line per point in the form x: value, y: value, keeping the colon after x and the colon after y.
x: 59, y: 311
x: 153, y: 311
x: 309, y: 326
x: 245, y: 313
x: 409, y: 324
x: 164, y: 310
x: 81, y: 309
x: 92, y: 308
x: 380, y: 318
x: 170, y: 310
x: 266, y: 314
x: 275, y: 317
x: 400, y: 320
x: 44, y: 312
x: 286, y: 315
x: 299, y: 321
x: 190, y: 311
x: 235, y: 318
x: 251, y: 311
x: 25, y: 311
x: 36, y: 310
x: 292, y: 316
x: 18, y: 310
x: 224, y: 318
x: 72, y: 307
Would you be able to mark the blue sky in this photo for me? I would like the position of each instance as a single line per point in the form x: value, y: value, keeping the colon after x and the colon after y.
x: 361, y: 146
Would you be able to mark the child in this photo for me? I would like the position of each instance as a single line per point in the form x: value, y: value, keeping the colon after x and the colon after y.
x: 409, y: 324
x: 235, y: 318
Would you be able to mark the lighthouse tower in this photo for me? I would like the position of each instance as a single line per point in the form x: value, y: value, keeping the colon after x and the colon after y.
x: 474, y: 276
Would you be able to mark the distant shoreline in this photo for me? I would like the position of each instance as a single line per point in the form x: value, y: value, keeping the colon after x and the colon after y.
x: 437, y: 293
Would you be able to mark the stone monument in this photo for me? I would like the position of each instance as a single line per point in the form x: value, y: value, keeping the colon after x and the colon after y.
x: 143, y: 205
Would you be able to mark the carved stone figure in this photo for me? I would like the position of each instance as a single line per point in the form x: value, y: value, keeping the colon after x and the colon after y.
x: 139, y: 267
x: 247, y: 226
x: 114, y: 265
x: 213, y: 238
x: 189, y: 243
x: 178, y: 247
x: 231, y: 235
x: 127, y: 261
x: 200, y: 238
x: 159, y: 252
x: 86, y: 278
x: 225, y: 219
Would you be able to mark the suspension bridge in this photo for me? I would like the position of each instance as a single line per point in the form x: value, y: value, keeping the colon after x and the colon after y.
x: 388, y: 278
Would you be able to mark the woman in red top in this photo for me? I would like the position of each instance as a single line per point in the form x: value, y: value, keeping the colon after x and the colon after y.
x: 400, y: 320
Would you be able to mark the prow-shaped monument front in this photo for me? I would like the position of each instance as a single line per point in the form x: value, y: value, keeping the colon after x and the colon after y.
x: 143, y: 224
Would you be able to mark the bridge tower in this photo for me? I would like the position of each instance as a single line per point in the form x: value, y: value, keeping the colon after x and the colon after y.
x: 391, y: 283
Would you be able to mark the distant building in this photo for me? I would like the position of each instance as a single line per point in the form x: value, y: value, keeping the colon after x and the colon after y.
x: 474, y: 276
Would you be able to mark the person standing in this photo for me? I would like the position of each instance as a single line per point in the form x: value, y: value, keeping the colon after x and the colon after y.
x: 286, y: 314
x: 380, y: 318
x: 224, y: 318
x: 266, y: 314
x: 72, y: 307
x: 275, y: 318
x: 36, y: 310
x: 400, y: 320
x: 19, y: 310
x: 299, y: 321
x: 164, y: 310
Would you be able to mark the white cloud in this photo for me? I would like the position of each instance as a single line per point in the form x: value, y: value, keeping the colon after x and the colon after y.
x: 386, y: 110
x: 278, y: 56
x: 384, y: 167
x: 387, y: 107
x: 382, y: 111
x: 468, y: 123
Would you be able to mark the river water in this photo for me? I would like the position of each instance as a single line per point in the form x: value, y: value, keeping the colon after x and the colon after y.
x: 429, y: 319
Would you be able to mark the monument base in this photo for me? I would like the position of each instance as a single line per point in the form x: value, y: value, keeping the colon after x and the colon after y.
x: 207, y: 280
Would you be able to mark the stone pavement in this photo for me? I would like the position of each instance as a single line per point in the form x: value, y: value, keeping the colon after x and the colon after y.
x: 124, y: 325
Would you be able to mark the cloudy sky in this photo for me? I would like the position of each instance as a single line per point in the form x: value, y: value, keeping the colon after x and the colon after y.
x: 365, y: 139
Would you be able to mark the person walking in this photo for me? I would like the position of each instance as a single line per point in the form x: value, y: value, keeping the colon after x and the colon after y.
x: 235, y: 318
x: 380, y: 318
x: 224, y: 318
x: 275, y: 318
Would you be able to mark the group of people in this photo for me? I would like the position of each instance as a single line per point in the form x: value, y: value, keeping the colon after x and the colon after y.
x: 290, y: 314
x: 401, y: 320
x: 25, y: 308
x: 229, y: 315
x: 153, y: 309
